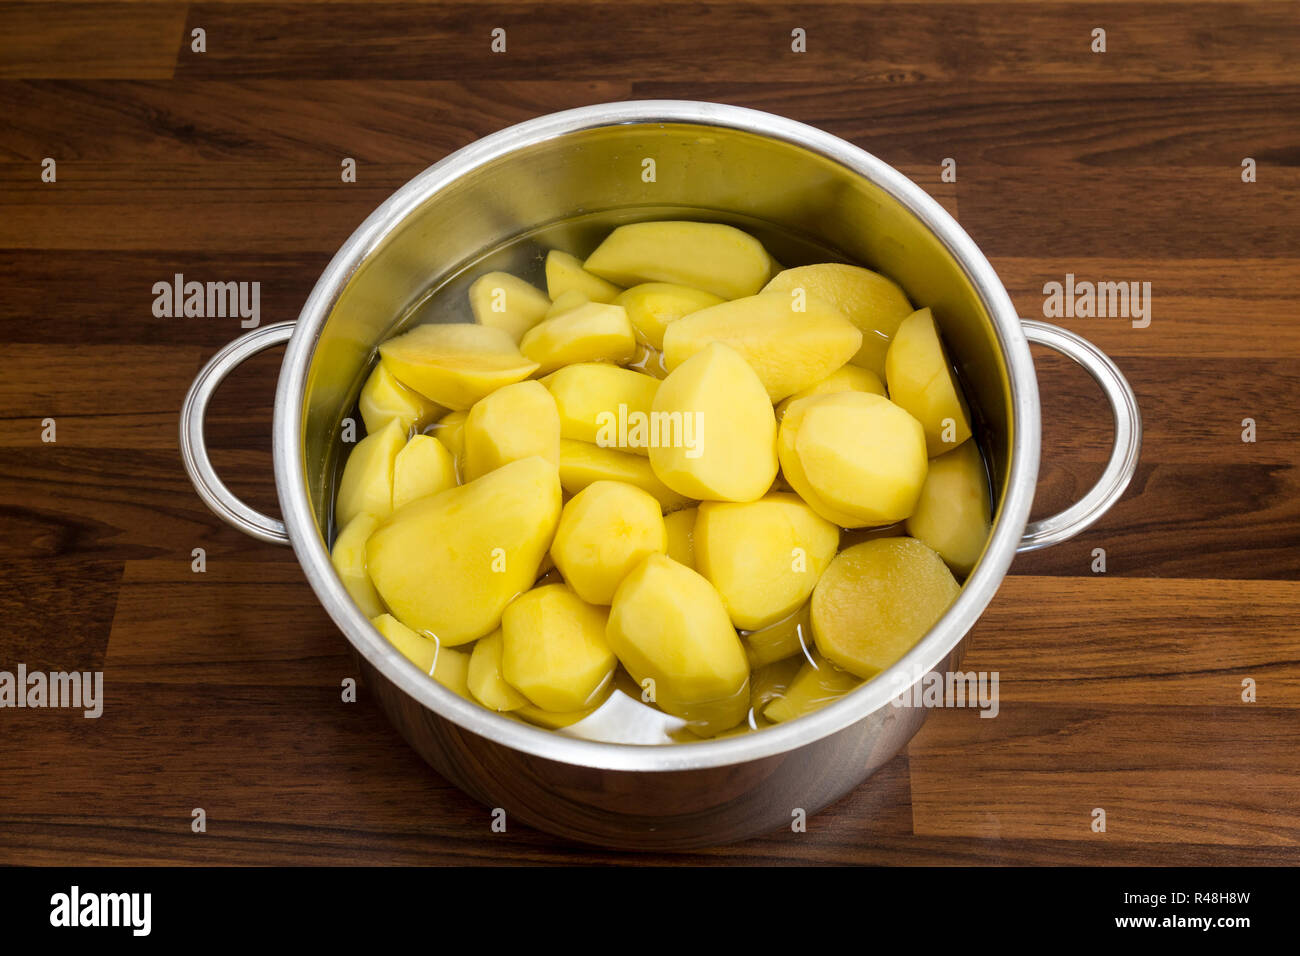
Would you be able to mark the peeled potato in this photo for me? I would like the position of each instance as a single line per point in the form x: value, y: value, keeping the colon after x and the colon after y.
x: 449, y: 564
x: 564, y: 273
x: 450, y: 430
x: 716, y: 430
x: 771, y: 682
x: 764, y: 556
x: 581, y: 463
x: 789, y: 349
x: 876, y: 600
x: 653, y: 306
x: 817, y: 683
x: 367, y: 483
x: 446, y: 665
x: 668, y: 626
x: 702, y: 255
x: 485, y: 681
x: 384, y: 398
x: 871, y: 302
x: 567, y: 302
x: 593, y: 398
x: 846, y: 378
x: 555, y: 651
x: 953, y: 513
x: 680, y: 526
x: 592, y: 332
x: 920, y: 380
x: 349, y: 558
x: 514, y: 422
x: 455, y: 364
x: 507, y: 302
x: 605, y: 530
x: 423, y: 467
x: 788, y: 637
x: 860, y: 454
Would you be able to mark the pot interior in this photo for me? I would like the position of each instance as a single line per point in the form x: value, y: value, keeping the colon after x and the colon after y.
x: 569, y: 190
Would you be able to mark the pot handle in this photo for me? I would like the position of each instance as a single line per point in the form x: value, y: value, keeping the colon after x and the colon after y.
x: 194, y: 449
x: 1128, y: 438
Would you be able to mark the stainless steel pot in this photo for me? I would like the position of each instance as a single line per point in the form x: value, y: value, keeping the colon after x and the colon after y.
x: 564, y: 180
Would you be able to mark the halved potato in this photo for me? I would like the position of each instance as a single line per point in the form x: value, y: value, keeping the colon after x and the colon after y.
x: 555, y: 651
x: 514, y: 422
x: 424, y: 467
x: 789, y: 348
x: 384, y: 398
x: 668, y: 626
x: 581, y: 463
x: 449, y: 564
x: 455, y: 364
x: 564, y: 273
x: 592, y: 332
x: 593, y: 398
x: 876, y: 600
x: 953, y: 513
x: 349, y: 558
x: 653, y: 306
x: 507, y: 302
x: 605, y: 530
x: 764, y: 556
x: 366, y: 486
x: 920, y: 380
x: 714, y: 429
x: 702, y: 255
x: 875, y: 304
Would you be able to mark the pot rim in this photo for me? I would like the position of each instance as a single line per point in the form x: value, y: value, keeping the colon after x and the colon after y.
x: 1010, y: 517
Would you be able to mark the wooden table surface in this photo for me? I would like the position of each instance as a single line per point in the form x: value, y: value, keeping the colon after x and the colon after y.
x: 1121, y: 690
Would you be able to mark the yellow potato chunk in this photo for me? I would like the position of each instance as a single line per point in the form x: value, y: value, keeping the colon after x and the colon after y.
x: 680, y: 526
x: 567, y: 302
x: 367, y: 483
x: 764, y: 556
x: 873, y: 303
x: 593, y: 332
x: 455, y: 364
x: 789, y: 349
x: 817, y: 683
x: 653, y: 306
x: 921, y: 381
x: 507, y: 302
x: 606, y: 530
x: 876, y: 600
x: 581, y: 463
x: 861, y: 454
x: 713, y: 429
x: 953, y: 513
x: 603, y: 404
x: 702, y: 255
x: 788, y: 637
x: 449, y: 564
x: 423, y: 467
x: 449, y: 667
x: 384, y: 398
x: 514, y: 422
x: 564, y: 273
x: 349, y: 558
x: 557, y: 719
x: 485, y: 681
x: 555, y: 649
x: 846, y: 378
x: 668, y: 626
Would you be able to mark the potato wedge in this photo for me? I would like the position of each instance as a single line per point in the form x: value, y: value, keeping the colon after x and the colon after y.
x: 846, y: 378
x: 555, y: 651
x: 366, y: 486
x: 592, y: 332
x: 680, y: 526
x: 514, y: 422
x: 485, y: 681
x: 605, y: 531
x: 506, y: 302
x: 446, y: 665
x: 702, y: 255
x: 564, y: 273
x: 920, y: 380
x: 581, y: 463
x: 592, y: 398
x: 653, y: 306
x: 349, y: 559
x: 455, y: 364
x: 384, y: 398
x: 953, y: 513
x: 424, y: 467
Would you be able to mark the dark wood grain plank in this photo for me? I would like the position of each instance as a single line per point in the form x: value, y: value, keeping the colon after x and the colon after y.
x: 101, y: 40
